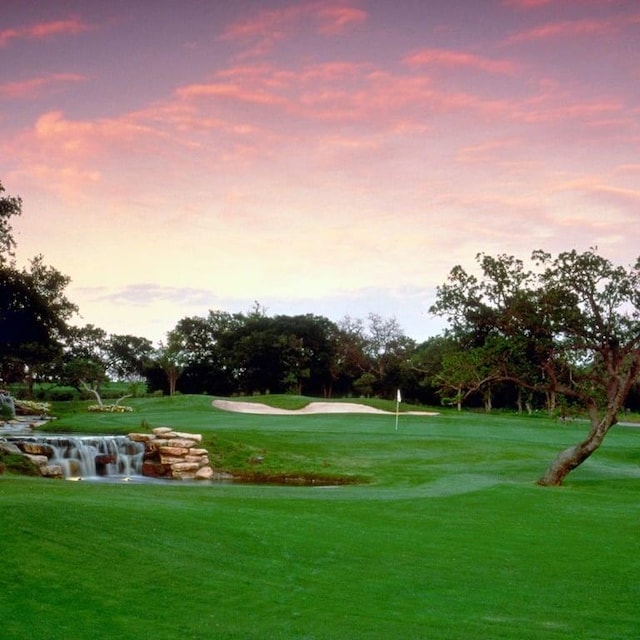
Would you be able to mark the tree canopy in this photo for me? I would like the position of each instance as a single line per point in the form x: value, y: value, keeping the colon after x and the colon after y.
x: 569, y: 326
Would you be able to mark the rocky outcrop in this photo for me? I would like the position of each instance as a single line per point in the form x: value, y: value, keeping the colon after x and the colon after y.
x: 173, y: 454
x: 167, y: 454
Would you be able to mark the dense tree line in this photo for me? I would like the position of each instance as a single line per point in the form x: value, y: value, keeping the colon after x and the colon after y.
x: 561, y: 336
x: 250, y: 353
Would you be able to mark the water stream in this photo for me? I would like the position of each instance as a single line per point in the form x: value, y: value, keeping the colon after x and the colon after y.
x: 87, y: 456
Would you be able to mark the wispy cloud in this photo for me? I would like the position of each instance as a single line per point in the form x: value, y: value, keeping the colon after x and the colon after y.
x: 142, y: 294
x: 564, y: 30
x: 42, y: 30
x: 460, y: 59
x: 35, y: 87
x: 526, y: 4
x: 262, y: 32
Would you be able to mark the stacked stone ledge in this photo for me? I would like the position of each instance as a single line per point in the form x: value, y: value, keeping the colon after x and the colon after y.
x: 172, y: 454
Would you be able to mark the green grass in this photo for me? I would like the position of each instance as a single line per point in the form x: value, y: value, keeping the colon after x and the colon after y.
x: 449, y: 539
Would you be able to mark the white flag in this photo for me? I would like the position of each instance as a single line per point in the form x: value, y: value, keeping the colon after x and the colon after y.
x: 399, y: 397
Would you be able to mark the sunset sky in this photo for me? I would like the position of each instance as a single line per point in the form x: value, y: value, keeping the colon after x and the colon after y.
x: 335, y: 158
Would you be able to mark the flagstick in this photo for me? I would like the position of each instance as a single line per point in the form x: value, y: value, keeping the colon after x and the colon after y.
x: 397, y: 407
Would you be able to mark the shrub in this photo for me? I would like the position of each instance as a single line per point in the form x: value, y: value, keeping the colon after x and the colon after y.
x: 109, y: 408
x: 30, y: 408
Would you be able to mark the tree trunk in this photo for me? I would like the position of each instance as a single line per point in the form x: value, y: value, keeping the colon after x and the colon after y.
x: 617, y: 390
x: 567, y: 460
x: 551, y: 401
x: 94, y: 391
x: 487, y: 394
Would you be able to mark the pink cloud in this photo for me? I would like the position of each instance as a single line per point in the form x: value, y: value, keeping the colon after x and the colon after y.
x: 526, y: 4
x: 443, y: 57
x: 272, y: 25
x: 564, y: 29
x: 542, y: 110
x: 35, y: 86
x: 334, y: 19
x: 623, y: 201
x: 231, y: 92
x: 70, y: 26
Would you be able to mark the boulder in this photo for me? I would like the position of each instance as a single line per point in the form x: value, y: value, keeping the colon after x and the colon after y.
x: 171, y: 460
x: 201, y: 460
x: 182, y: 467
x: 39, y: 461
x: 158, y: 431
x: 141, y: 437
x: 37, y: 448
x: 51, y: 471
x: 204, y: 473
x: 183, y: 475
x: 174, y: 451
x: 9, y: 447
x: 182, y: 442
x: 188, y: 436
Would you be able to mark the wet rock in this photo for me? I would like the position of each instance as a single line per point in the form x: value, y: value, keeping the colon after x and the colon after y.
x: 52, y: 471
x: 37, y: 448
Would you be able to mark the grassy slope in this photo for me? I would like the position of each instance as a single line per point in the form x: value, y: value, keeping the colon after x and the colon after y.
x: 451, y: 539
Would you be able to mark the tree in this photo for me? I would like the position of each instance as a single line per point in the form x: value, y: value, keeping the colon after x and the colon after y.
x: 426, y: 363
x: 570, y: 328
x: 205, y: 356
x: 171, y: 358
x: 127, y: 356
x: 33, y: 308
x: 389, y: 352
x: 350, y: 361
x: 10, y: 206
x: 85, y: 360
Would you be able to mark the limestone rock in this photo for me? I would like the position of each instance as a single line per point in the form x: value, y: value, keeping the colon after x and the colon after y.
x: 181, y: 467
x: 38, y: 460
x: 183, y: 475
x: 9, y: 447
x: 52, y: 471
x: 174, y: 451
x: 37, y: 448
x: 141, y: 437
x: 169, y: 460
x: 204, y: 473
x: 188, y: 436
x: 181, y: 442
x: 159, y: 431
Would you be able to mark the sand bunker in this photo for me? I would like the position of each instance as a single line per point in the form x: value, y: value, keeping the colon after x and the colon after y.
x: 312, y: 407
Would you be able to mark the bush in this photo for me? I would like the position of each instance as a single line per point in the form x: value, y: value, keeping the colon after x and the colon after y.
x: 30, y: 408
x: 109, y: 408
x: 55, y: 395
x: 5, y: 412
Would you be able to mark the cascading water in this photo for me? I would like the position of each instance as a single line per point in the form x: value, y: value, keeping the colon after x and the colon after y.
x: 90, y: 456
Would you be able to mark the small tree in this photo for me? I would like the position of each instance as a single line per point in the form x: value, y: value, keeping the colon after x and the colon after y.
x: 171, y: 359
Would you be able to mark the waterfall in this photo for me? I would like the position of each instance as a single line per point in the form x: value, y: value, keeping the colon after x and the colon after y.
x: 87, y: 456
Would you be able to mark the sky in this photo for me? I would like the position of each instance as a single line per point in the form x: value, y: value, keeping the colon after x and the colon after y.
x: 327, y: 157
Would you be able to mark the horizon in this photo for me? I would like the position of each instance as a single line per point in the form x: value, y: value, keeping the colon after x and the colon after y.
x: 334, y: 158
